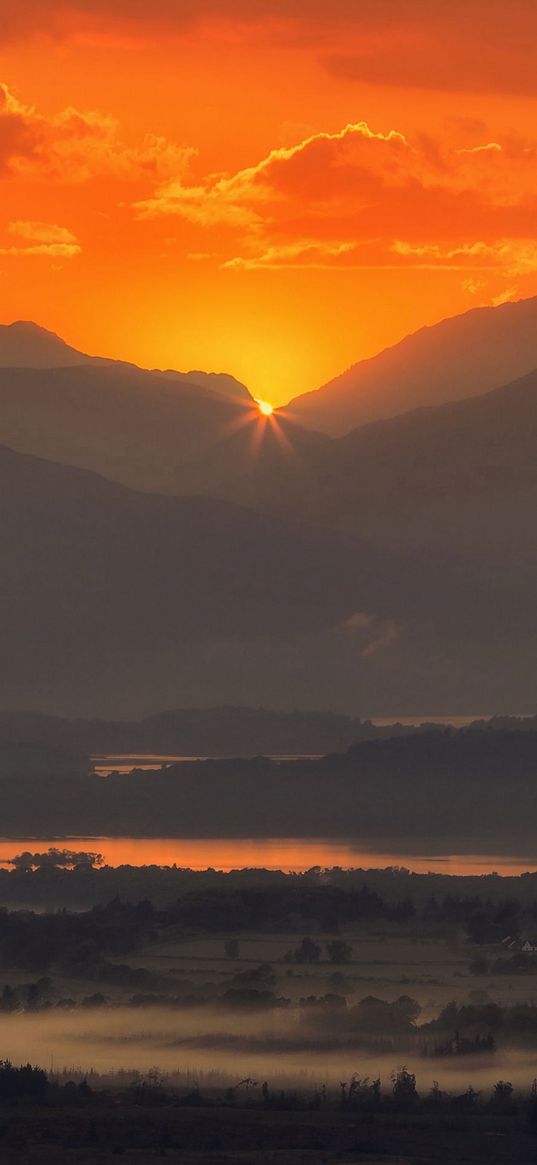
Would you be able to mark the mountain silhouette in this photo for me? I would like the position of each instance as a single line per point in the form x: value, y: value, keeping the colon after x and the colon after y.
x: 104, y: 590
x: 24, y: 344
x: 456, y: 358
x: 386, y: 572
x: 460, y: 478
x: 451, y: 493
x: 148, y: 430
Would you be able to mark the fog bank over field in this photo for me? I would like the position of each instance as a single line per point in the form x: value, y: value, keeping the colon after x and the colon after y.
x: 210, y: 1048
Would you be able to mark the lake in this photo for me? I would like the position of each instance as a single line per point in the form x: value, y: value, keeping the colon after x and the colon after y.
x: 289, y: 854
x: 125, y: 762
x: 104, y: 764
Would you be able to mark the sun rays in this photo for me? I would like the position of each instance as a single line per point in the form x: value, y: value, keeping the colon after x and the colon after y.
x: 264, y: 427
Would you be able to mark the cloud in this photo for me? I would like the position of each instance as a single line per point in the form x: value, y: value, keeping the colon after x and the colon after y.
x: 494, y: 146
x: 74, y: 146
x: 474, y: 47
x: 472, y: 285
x: 506, y: 296
x: 306, y: 253
x: 41, y: 239
x: 388, y: 632
x: 466, y: 45
x: 60, y: 18
x: 375, y: 634
x: 512, y: 256
x: 204, y: 206
x: 363, y: 198
x: 41, y: 232
x: 314, y: 167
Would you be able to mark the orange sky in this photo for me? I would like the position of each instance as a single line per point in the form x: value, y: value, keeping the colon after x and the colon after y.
x: 271, y: 187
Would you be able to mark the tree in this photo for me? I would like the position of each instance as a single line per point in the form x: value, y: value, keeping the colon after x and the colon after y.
x: 9, y: 999
x: 404, y: 1086
x: 407, y: 1008
x: 308, y: 951
x: 339, y: 951
x: 436, y: 1094
x: 502, y: 1097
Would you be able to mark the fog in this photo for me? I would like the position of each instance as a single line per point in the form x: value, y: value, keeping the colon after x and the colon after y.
x: 209, y: 1046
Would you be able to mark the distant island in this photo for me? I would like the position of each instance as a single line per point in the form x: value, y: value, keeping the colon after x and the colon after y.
x: 431, y: 785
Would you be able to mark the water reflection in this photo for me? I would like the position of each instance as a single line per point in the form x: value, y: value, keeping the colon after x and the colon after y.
x: 293, y: 855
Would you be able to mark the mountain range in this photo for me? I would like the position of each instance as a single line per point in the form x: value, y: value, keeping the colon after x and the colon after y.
x: 164, y: 544
x: 458, y: 478
x: 459, y: 357
x: 24, y: 344
x: 104, y: 591
x: 154, y: 431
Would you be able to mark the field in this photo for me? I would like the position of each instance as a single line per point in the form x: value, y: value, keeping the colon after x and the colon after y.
x: 211, y: 1039
x: 173, y: 1032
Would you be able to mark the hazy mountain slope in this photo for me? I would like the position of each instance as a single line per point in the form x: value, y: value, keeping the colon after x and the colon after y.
x: 224, y: 731
x: 24, y: 344
x: 452, y: 492
x: 103, y: 589
x: 461, y: 477
x: 220, y: 382
x: 149, y: 431
x: 114, y: 603
x: 117, y: 604
x: 459, y: 357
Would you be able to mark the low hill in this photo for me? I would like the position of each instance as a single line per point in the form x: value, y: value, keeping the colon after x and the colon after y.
x: 226, y: 731
x: 439, y: 789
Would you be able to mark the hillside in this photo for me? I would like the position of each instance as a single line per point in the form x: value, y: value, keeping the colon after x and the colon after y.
x: 451, y: 492
x: 459, y: 357
x: 113, y: 599
x: 379, y: 582
x: 150, y: 431
x: 190, y: 732
x: 24, y: 344
x: 483, y: 795
x: 461, y: 477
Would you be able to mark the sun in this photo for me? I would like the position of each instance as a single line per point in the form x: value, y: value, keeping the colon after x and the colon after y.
x: 264, y: 408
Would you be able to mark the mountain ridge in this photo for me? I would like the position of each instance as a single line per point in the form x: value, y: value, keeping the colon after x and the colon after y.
x: 107, y: 592
x: 48, y: 350
x: 477, y: 450
x: 146, y: 430
x: 463, y: 355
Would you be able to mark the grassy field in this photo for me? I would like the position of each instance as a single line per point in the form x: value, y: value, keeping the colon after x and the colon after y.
x: 434, y: 971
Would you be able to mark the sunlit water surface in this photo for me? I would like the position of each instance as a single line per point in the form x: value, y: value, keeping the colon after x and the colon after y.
x: 289, y: 854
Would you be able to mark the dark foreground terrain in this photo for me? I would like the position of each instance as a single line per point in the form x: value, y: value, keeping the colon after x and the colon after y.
x: 51, y: 1122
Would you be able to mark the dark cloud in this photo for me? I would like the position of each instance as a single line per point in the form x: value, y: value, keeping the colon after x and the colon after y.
x: 20, y: 16
x: 472, y: 45
x: 449, y: 66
